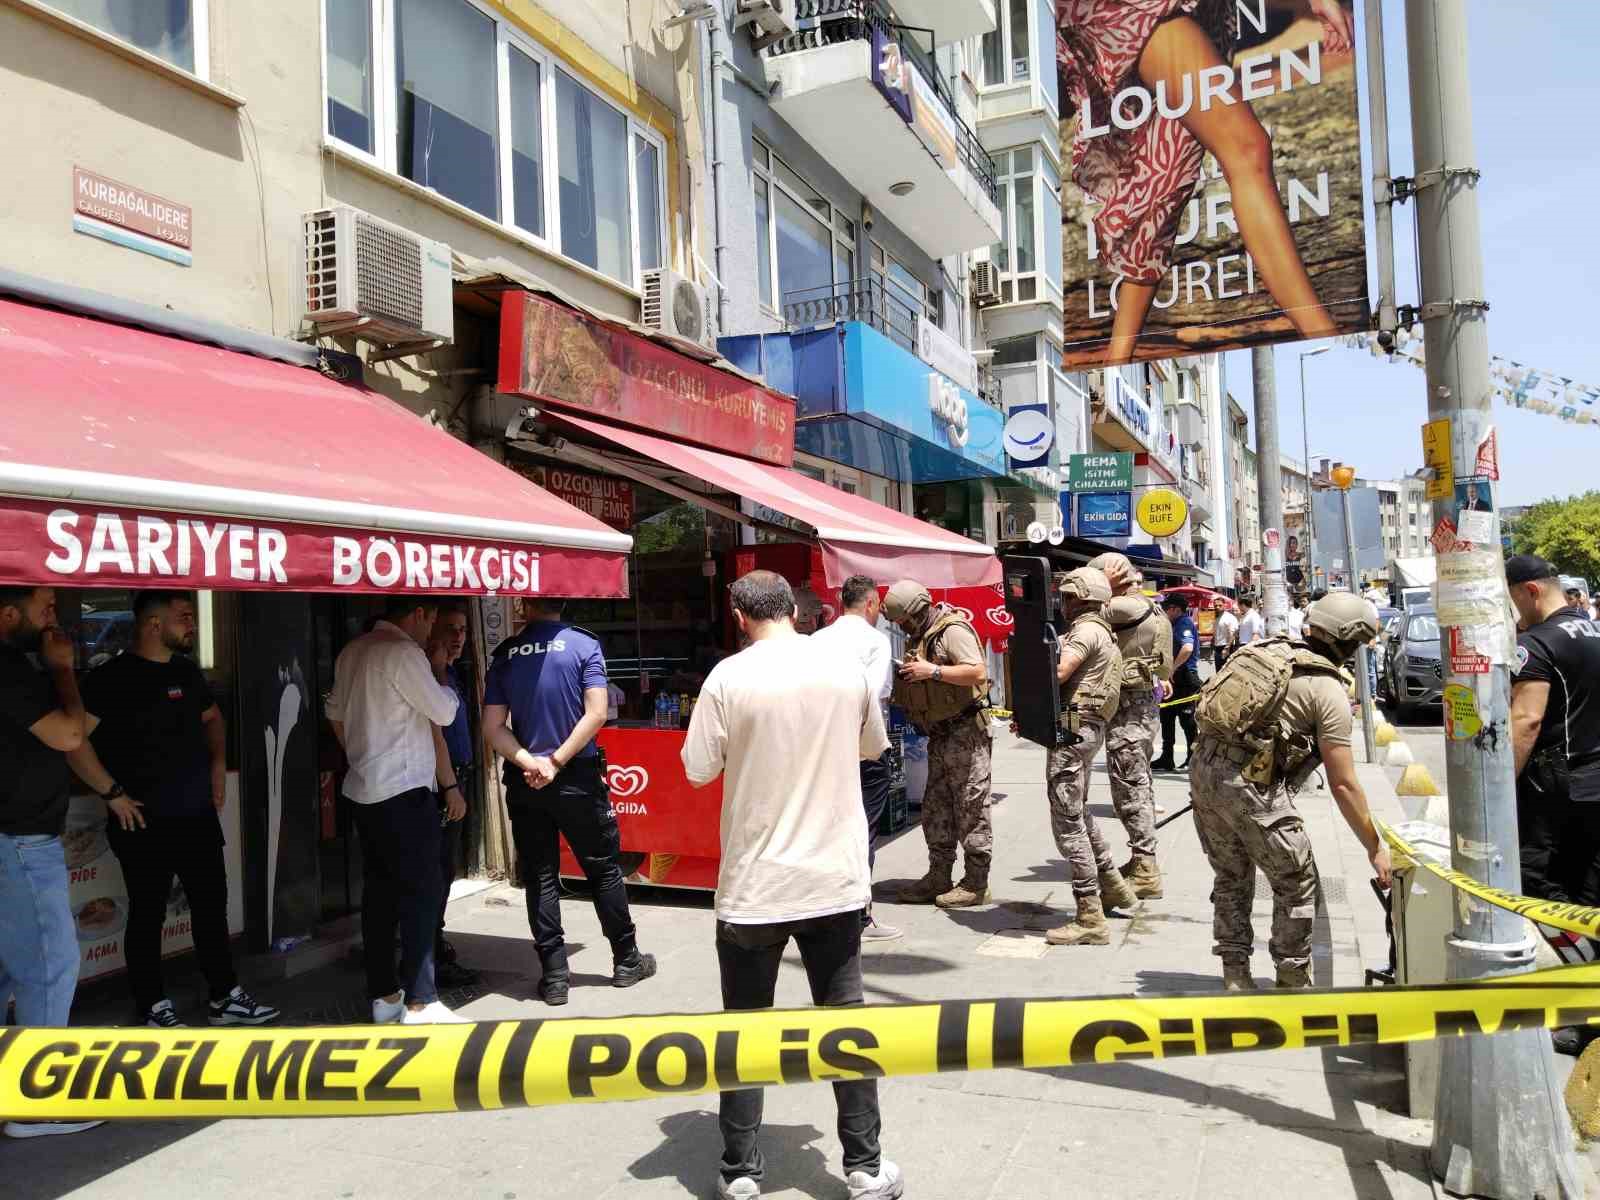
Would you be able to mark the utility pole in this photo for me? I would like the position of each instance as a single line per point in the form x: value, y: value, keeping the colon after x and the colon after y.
x: 1369, y: 732
x: 1500, y: 1128
x: 1269, y: 492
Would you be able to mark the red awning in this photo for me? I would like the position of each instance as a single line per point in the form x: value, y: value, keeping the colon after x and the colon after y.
x: 129, y: 458
x: 858, y: 537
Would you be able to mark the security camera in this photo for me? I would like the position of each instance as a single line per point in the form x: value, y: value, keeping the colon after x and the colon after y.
x: 515, y: 427
x: 866, y: 216
x: 1386, y: 340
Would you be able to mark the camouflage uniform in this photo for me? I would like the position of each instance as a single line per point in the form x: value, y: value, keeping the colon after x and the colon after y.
x: 1130, y: 738
x: 1076, y: 832
x: 1243, y: 826
x: 955, y: 807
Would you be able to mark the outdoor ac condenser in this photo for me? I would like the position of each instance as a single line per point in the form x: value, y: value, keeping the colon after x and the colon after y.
x: 376, y: 280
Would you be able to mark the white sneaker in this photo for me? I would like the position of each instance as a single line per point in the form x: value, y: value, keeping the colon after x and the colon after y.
x: 742, y: 1188
x: 433, y: 1014
x: 389, y: 1012
x: 887, y: 1184
x: 28, y: 1129
x: 163, y: 1016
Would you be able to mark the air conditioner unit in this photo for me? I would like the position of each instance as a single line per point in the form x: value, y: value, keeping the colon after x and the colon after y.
x: 772, y: 19
x: 375, y: 280
x: 984, y: 283
x: 677, y: 307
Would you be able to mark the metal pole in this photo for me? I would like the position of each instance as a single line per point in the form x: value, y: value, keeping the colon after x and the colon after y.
x: 1369, y: 732
x: 1269, y: 491
x: 1382, y: 191
x: 1500, y: 1128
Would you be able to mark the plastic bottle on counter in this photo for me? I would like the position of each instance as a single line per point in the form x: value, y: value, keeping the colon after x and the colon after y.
x: 661, y: 710
x: 674, y: 712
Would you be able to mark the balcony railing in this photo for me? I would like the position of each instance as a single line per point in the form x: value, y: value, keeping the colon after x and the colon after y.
x: 872, y: 301
x: 858, y: 20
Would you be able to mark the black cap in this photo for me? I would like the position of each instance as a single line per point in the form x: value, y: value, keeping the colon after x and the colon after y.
x: 1175, y: 601
x: 1529, y: 568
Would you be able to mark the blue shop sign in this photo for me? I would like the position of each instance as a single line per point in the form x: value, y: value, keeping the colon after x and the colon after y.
x: 1105, y: 514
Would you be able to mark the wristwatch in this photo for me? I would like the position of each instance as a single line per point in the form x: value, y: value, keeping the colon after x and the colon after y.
x: 116, y: 793
x: 938, y: 672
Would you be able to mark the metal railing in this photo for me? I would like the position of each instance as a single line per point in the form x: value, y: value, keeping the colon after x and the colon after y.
x: 873, y: 301
x: 828, y: 22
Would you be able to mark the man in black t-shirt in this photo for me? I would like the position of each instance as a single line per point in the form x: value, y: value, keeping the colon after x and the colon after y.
x: 1555, y: 733
x: 40, y: 717
x: 156, y: 755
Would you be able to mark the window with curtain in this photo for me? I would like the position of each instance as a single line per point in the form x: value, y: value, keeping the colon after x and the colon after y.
x: 596, y: 226
x: 350, y: 114
x: 647, y: 184
x: 527, y: 143
x: 164, y: 28
x: 446, y: 101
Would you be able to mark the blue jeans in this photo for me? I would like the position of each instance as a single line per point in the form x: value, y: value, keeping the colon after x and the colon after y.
x: 38, y: 939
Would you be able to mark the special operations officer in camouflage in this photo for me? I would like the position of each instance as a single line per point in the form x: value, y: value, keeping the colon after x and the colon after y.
x: 1144, y: 635
x: 943, y: 686
x: 1090, y: 672
x: 1275, y: 710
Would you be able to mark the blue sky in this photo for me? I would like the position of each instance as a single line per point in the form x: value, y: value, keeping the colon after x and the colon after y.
x: 1534, y: 97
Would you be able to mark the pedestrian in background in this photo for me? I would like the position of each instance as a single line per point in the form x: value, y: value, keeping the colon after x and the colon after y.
x: 41, y: 720
x: 1185, y: 683
x: 387, y: 710
x: 786, y: 721
x: 1295, y: 619
x: 1251, y: 623
x: 445, y: 647
x: 157, y: 755
x: 1224, y: 633
x: 855, y: 631
x: 544, y: 701
x: 943, y: 686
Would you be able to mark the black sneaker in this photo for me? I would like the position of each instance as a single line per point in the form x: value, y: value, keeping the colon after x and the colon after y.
x: 241, y: 1008
x: 162, y: 1015
x: 629, y: 973
x: 453, y: 975
x: 554, y: 991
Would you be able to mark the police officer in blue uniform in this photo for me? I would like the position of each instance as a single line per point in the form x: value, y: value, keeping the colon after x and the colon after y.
x: 544, y: 701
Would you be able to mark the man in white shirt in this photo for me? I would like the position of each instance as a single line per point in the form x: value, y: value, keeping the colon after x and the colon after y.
x: 855, y: 631
x: 785, y: 722
x: 1224, y: 633
x: 1297, y: 618
x: 1251, y: 623
x: 387, y: 710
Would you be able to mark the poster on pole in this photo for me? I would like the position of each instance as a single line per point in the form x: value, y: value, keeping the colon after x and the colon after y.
x: 1155, y: 228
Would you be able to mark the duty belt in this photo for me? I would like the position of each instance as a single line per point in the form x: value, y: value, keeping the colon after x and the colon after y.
x: 949, y: 724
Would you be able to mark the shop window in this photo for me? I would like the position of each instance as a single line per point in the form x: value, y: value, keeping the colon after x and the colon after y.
x: 452, y: 97
x: 171, y: 30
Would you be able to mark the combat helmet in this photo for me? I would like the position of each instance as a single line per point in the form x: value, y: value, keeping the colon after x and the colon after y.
x: 1343, y: 619
x: 906, y: 600
x: 1086, y: 584
x: 1117, y: 567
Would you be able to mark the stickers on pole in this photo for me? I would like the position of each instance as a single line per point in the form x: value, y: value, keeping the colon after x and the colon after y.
x: 1436, y: 454
x: 1465, y: 658
x: 1488, y: 456
x: 1461, y: 718
x: 1472, y: 588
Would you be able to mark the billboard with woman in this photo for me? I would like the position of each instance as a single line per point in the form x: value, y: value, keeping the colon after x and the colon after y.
x: 1215, y: 190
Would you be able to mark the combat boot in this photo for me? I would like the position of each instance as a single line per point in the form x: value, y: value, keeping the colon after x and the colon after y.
x: 1088, y: 928
x: 969, y: 893
x: 927, y: 889
x: 1293, y: 977
x: 1236, y: 975
x: 1115, y: 891
x: 1144, y: 878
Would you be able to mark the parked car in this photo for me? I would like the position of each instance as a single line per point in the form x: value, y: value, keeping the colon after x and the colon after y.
x: 1413, y: 674
x: 1388, y: 619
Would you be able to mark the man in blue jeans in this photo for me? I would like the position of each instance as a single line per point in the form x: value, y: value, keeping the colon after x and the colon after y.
x: 41, y: 718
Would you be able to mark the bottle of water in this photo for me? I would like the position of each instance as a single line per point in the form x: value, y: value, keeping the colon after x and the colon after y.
x: 674, y: 711
x: 661, y: 710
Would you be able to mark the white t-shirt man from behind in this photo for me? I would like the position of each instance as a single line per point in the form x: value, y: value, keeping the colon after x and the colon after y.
x: 785, y: 723
x: 1251, y: 623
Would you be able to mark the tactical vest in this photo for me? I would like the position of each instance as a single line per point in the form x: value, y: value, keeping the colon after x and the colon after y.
x: 931, y: 702
x: 1144, y: 636
x: 1096, y: 695
x: 1243, y: 705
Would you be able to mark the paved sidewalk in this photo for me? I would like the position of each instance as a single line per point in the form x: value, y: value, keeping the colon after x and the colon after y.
x: 1317, y: 1122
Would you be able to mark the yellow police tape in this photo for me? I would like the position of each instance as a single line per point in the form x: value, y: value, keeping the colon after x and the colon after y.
x: 1182, y: 700
x: 367, y: 1070
x: 1572, y: 918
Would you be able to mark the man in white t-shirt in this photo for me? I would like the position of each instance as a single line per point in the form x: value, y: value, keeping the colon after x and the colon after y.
x: 1296, y: 618
x: 1251, y: 624
x: 786, y: 722
x: 856, y: 632
x: 1224, y: 632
